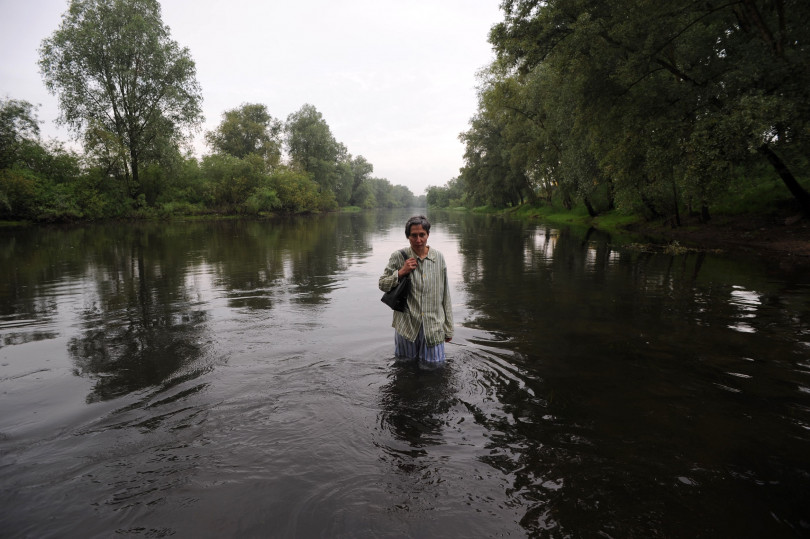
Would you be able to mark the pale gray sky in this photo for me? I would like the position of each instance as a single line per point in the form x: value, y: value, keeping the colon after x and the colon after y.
x: 394, y: 79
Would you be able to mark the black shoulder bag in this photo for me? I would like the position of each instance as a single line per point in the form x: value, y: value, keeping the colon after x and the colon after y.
x: 397, y: 297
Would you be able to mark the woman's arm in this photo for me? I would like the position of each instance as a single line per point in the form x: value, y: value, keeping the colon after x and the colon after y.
x: 390, y: 276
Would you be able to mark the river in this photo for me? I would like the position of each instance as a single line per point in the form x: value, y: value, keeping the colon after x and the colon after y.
x: 237, y: 379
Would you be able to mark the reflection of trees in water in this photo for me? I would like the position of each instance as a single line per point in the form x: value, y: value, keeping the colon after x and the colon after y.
x: 244, y: 262
x: 143, y: 329
x: 127, y: 356
x: 17, y: 338
x: 252, y: 259
x: 27, y: 265
x: 633, y: 358
x: 520, y: 276
x: 249, y: 258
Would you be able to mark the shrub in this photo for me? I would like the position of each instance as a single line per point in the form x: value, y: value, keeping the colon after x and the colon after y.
x: 18, y: 194
x: 297, y: 192
x: 263, y: 199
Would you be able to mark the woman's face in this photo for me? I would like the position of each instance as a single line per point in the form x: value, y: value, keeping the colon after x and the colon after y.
x: 418, y: 237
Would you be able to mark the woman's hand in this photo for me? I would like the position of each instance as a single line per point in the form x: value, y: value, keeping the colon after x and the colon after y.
x: 407, y: 267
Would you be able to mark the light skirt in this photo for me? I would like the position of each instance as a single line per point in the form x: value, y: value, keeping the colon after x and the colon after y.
x: 418, y: 349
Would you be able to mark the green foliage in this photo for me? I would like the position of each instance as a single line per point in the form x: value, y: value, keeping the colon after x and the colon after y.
x: 312, y: 148
x: 24, y: 194
x: 296, y: 190
x: 363, y: 195
x: 356, y: 190
x: 452, y: 195
x: 129, y: 93
x: 19, y: 127
x: 122, y: 82
x: 49, y: 183
x: 649, y: 107
x: 230, y: 181
x: 247, y: 130
x: 184, y: 183
x: 181, y: 208
x: 58, y: 202
x: 263, y: 200
x: 755, y: 194
x: 18, y: 192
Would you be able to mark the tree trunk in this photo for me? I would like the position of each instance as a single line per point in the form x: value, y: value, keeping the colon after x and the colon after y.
x: 588, y: 205
x: 532, y: 196
x: 566, y: 200
x: 650, y: 206
x: 705, y: 217
x: 134, y: 164
x: 675, y: 204
x: 799, y: 192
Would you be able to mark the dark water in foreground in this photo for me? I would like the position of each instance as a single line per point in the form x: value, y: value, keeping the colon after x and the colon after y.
x: 236, y: 379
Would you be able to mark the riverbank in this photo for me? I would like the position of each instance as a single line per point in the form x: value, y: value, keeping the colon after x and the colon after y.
x: 784, y: 234
x: 781, y: 235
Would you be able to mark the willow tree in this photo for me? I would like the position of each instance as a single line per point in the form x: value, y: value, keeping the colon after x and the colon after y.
x: 672, y: 97
x: 121, y: 79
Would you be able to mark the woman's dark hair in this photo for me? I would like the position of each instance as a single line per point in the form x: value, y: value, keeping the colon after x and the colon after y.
x: 417, y: 220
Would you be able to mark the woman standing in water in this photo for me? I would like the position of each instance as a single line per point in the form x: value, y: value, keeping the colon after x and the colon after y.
x: 427, y: 323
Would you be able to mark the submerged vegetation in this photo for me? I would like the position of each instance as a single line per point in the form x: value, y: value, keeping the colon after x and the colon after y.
x: 662, y: 111
x: 129, y: 94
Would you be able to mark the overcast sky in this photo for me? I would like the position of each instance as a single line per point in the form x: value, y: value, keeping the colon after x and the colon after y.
x: 394, y: 79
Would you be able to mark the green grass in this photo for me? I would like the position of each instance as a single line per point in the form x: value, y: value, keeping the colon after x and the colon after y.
x: 614, y: 221
x: 761, y: 198
x: 762, y: 195
x: 553, y: 213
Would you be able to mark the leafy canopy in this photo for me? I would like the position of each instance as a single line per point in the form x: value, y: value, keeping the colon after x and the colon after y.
x: 649, y: 104
x: 248, y: 129
x: 18, y: 125
x: 116, y: 70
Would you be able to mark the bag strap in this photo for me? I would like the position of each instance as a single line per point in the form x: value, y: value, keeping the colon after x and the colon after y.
x: 404, y: 258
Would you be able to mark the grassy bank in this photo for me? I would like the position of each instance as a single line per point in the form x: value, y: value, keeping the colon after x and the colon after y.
x: 578, y: 215
x: 754, y: 215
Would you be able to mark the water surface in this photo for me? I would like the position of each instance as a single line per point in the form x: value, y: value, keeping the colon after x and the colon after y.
x: 236, y: 379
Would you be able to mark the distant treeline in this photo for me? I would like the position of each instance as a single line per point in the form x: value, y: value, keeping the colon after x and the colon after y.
x: 654, y: 108
x: 244, y: 174
x: 129, y: 94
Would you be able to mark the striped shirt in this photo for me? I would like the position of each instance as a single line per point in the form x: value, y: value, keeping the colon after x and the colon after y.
x: 429, y: 300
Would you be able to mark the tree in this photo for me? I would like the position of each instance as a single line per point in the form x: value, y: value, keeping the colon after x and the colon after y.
x: 297, y: 192
x: 670, y: 97
x: 36, y: 180
x: 312, y: 147
x: 360, y: 172
x: 231, y: 180
x: 118, y: 73
x: 18, y: 126
x: 246, y: 130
